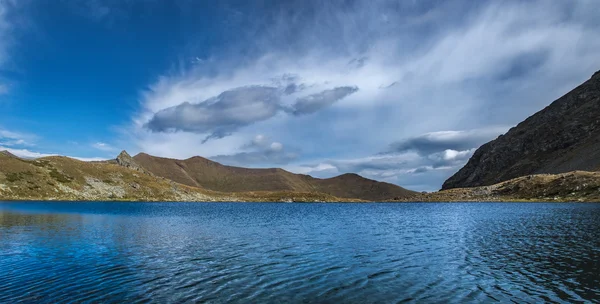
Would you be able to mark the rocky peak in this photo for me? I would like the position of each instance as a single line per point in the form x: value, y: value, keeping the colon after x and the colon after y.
x: 125, y: 160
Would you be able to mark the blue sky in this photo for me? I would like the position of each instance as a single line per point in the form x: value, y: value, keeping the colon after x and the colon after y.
x: 398, y: 91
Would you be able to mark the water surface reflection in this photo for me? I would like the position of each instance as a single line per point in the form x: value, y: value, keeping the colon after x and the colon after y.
x: 267, y: 253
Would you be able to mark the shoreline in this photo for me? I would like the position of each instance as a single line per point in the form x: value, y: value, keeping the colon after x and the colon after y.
x: 305, y: 202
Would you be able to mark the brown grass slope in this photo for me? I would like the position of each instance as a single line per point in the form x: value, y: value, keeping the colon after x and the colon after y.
x: 563, y: 137
x: 63, y: 178
x: 201, y: 172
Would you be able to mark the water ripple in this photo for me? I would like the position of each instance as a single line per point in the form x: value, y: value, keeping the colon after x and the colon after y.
x: 299, y: 253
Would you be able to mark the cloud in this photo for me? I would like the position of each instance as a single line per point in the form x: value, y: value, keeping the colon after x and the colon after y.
x: 8, y: 31
x: 19, y: 143
x: 231, y: 110
x: 259, y: 151
x: 421, y: 66
x: 221, y: 115
x: 428, y: 158
x: 104, y: 147
x: 24, y: 153
x: 28, y: 154
x: 10, y: 138
x: 9, y: 134
x: 410, y: 170
x: 433, y: 142
x: 315, y: 102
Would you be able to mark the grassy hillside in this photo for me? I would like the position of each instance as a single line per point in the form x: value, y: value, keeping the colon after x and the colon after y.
x: 207, y: 174
x: 63, y: 178
x: 201, y: 172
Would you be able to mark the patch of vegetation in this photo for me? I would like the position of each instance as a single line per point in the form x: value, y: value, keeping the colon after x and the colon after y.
x: 13, y: 177
x: 18, y: 176
x: 60, y: 177
x: 41, y: 163
x: 107, y: 181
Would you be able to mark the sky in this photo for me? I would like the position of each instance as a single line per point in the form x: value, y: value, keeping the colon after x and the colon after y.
x: 397, y: 91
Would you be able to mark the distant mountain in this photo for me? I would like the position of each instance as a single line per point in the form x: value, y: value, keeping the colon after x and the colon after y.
x: 201, y: 172
x: 6, y: 153
x: 563, y: 137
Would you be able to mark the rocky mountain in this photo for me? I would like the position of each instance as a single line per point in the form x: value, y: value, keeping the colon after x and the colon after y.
x: 206, y: 174
x: 563, y: 137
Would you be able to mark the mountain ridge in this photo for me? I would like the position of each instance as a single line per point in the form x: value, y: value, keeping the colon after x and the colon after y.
x: 60, y: 178
x: 201, y: 172
x: 66, y: 179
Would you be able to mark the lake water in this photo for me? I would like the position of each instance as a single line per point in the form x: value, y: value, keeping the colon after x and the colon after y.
x: 299, y: 253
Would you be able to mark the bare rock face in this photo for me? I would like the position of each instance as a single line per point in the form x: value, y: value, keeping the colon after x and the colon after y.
x: 563, y: 137
x: 125, y: 160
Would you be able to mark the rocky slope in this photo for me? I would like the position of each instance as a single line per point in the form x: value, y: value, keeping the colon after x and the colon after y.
x: 203, y: 173
x: 563, y: 137
x: 576, y: 186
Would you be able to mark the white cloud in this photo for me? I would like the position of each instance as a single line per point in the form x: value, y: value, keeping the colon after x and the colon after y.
x: 276, y: 146
x: 16, y: 139
x: 27, y: 154
x: 24, y: 153
x: 9, y: 134
x: 19, y: 144
x: 427, y: 158
x: 104, y: 147
x: 456, y: 66
x: 259, y: 151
